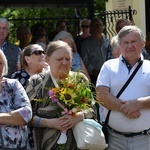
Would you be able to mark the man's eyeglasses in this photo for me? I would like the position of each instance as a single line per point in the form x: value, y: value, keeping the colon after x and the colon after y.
x: 37, y: 52
x: 85, y: 26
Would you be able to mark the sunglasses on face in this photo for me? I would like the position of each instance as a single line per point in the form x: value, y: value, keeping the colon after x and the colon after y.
x: 37, y: 52
x: 85, y: 26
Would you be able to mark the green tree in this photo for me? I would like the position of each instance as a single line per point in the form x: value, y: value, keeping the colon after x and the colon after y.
x: 48, y: 16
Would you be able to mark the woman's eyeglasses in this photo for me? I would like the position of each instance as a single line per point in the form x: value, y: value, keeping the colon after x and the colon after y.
x: 37, y: 52
x: 85, y: 26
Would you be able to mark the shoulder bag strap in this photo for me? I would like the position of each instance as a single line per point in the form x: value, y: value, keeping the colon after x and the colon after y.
x: 124, y: 87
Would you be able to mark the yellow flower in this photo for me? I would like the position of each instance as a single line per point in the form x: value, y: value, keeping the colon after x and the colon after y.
x: 55, y: 89
x: 74, y: 93
x: 70, y: 85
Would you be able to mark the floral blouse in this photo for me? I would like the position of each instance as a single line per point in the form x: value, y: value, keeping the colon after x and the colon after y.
x: 14, y: 97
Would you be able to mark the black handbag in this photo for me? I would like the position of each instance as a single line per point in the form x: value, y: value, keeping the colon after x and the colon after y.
x: 105, y: 123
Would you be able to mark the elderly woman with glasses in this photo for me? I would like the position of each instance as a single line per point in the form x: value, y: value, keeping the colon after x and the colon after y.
x: 32, y: 62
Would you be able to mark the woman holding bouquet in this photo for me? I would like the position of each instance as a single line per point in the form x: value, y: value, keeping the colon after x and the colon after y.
x: 46, y: 121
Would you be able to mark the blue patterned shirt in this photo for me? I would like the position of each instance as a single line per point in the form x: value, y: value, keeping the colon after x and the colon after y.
x: 14, y: 97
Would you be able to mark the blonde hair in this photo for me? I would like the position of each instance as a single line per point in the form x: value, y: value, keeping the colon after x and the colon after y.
x: 114, y: 42
x: 5, y: 67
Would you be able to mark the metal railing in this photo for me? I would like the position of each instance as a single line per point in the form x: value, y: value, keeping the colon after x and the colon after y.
x: 109, y: 19
x: 72, y: 24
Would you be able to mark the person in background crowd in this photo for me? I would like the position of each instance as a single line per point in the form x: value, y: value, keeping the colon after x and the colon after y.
x: 129, y: 123
x: 40, y: 39
x: 47, y: 124
x: 77, y: 63
x: 96, y: 49
x: 120, y: 23
x: 85, y: 32
x: 15, y: 111
x: 38, y: 28
x: 115, y: 47
x: 11, y: 51
x: 61, y: 25
x: 23, y: 35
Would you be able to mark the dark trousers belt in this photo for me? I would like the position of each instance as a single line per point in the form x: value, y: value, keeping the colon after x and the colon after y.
x: 131, y: 134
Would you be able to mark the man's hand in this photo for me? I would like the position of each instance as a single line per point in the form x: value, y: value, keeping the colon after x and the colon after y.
x: 131, y: 109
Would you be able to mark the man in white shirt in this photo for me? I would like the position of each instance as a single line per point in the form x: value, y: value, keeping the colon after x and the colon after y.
x: 129, y: 122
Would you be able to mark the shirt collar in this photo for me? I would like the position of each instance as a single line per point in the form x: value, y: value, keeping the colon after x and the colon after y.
x: 4, y: 45
x: 127, y: 64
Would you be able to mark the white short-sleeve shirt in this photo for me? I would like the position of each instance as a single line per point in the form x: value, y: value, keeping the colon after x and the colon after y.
x: 114, y: 73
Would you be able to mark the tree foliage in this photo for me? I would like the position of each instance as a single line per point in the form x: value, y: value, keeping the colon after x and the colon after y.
x: 48, y: 16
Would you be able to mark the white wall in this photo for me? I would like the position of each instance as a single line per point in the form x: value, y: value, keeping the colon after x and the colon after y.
x: 139, y: 19
x: 139, y: 5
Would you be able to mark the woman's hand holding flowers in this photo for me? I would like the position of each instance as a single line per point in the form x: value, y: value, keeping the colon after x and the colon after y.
x: 55, y: 123
x: 72, y: 95
x: 70, y: 120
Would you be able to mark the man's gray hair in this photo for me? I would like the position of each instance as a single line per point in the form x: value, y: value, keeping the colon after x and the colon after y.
x: 4, y: 20
x: 127, y: 29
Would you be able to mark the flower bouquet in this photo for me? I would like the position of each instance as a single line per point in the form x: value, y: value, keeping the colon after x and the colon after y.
x: 72, y: 94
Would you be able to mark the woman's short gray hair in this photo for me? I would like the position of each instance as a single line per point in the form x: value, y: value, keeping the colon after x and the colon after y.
x: 5, y: 64
x: 55, y: 45
x: 63, y: 35
x: 85, y: 20
x: 127, y: 29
